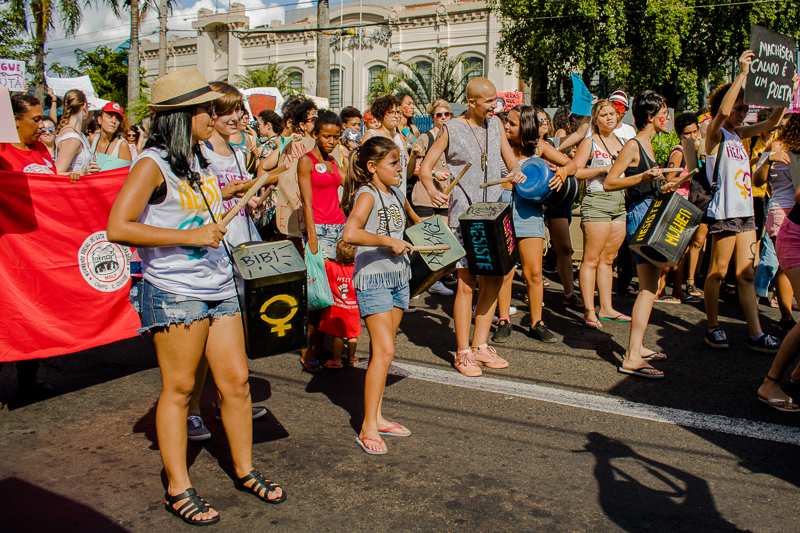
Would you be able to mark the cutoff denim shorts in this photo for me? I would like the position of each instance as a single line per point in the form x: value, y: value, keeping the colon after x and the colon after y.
x: 328, y: 235
x: 528, y: 219
x: 382, y: 299
x: 159, y: 308
x: 637, y: 212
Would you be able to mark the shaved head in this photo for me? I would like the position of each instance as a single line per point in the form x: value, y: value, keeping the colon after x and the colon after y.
x: 480, y: 88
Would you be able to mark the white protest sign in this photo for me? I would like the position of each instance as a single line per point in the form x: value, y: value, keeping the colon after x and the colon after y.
x: 12, y: 74
x: 258, y: 99
x: 62, y: 86
x: 8, y: 133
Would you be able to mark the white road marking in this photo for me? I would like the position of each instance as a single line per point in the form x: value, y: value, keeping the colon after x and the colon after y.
x: 604, y: 404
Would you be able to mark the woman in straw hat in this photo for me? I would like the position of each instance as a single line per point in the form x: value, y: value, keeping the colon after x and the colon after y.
x: 168, y: 208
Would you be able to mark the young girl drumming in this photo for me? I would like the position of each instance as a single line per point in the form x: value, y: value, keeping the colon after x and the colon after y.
x: 382, y: 272
x: 602, y: 215
x: 522, y: 131
x: 167, y: 208
x: 636, y: 170
x: 319, y: 178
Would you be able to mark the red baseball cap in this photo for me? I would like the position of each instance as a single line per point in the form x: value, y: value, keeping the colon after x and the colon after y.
x: 113, y: 107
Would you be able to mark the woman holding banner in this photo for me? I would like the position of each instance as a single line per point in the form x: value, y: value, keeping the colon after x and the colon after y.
x: 168, y: 208
x: 636, y: 170
x: 731, y: 222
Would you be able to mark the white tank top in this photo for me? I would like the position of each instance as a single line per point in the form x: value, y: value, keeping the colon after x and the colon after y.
x: 114, y: 152
x: 241, y: 229
x: 600, y: 158
x: 734, y: 195
x: 83, y: 157
x: 199, y: 272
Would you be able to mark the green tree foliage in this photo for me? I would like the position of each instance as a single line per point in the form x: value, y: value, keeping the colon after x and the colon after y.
x: 12, y: 43
x: 447, y: 79
x: 269, y: 76
x: 107, y: 70
x: 667, y: 45
x: 387, y: 82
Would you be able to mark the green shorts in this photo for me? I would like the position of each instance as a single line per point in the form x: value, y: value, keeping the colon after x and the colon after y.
x: 603, y: 206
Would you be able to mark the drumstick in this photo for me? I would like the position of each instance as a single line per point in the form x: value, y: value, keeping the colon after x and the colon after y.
x: 498, y: 182
x: 687, y: 177
x: 668, y: 170
x: 252, y: 190
x: 430, y: 248
x: 458, y: 178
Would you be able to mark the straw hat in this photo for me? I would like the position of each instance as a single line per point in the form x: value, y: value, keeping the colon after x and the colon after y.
x: 182, y: 88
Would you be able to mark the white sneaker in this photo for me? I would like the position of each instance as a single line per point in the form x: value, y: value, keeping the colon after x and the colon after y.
x: 439, y: 288
x: 410, y: 309
x: 511, y: 311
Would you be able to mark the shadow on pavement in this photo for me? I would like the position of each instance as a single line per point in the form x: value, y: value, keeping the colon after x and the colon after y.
x: 642, y: 494
x: 29, y: 508
x: 74, y: 372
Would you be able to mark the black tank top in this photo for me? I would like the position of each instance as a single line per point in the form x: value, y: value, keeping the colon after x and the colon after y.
x: 642, y: 191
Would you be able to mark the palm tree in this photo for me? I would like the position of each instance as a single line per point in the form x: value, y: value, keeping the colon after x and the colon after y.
x: 387, y: 82
x: 44, y: 11
x: 268, y: 76
x: 447, y: 79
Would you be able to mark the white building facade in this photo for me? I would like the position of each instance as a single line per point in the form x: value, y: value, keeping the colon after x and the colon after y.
x: 223, y: 48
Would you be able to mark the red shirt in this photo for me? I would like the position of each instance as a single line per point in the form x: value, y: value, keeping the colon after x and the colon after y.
x: 325, y: 193
x: 342, y: 319
x: 37, y: 160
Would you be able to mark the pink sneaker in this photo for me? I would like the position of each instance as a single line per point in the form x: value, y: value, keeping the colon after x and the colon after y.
x: 465, y: 363
x: 488, y: 357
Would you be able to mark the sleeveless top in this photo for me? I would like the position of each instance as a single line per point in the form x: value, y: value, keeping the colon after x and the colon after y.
x: 463, y: 148
x: 600, y: 158
x: 37, y: 160
x: 780, y: 181
x: 642, y: 191
x: 325, y: 192
x: 199, y: 272
x: 114, y: 152
x: 401, y: 147
x: 84, y: 156
x: 734, y: 195
x: 375, y: 266
x: 241, y: 229
x: 241, y: 145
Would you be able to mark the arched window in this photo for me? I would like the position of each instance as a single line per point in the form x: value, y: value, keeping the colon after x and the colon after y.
x: 336, y: 90
x: 374, y: 72
x: 424, y: 69
x: 295, y: 78
x: 473, y: 67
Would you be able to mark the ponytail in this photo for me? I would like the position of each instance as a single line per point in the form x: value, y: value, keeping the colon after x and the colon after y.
x: 375, y: 149
x: 73, y: 101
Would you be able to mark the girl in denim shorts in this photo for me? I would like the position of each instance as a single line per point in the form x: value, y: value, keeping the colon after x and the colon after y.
x: 167, y: 209
x: 376, y: 223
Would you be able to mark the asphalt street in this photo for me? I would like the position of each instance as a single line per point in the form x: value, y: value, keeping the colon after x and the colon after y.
x: 559, y: 441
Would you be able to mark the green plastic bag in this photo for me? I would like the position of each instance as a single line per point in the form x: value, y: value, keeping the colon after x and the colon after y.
x: 319, y: 291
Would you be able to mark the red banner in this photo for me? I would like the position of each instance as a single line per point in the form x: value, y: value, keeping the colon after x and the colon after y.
x: 63, y: 286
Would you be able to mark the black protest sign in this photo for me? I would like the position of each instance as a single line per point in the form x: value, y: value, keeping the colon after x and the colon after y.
x: 769, y: 82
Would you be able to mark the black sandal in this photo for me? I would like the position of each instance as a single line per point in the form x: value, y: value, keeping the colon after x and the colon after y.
x: 195, y: 505
x: 259, y: 484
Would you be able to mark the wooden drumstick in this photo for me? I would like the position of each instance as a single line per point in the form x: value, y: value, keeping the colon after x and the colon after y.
x: 498, y: 182
x: 251, y: 191
x: 430, y: 248
x: 453, y: 183
x: 687, y: 177
x: 669, y: 170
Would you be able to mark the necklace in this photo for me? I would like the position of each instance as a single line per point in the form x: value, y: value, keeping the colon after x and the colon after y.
x: 485, y: 142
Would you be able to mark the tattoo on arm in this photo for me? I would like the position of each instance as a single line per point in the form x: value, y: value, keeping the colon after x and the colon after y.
x: 440, y: 134
x: 753, y: 247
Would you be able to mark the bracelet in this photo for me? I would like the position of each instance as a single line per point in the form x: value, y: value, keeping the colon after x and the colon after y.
x: 562, y: 173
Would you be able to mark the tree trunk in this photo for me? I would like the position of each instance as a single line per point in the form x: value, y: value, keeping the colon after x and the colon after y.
x: 133, y: 58
x: 323, y: 50
x: 38, y: 52
x: 162, y: 39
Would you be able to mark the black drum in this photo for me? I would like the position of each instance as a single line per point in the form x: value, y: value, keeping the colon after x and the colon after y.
x: 487, y: 229
x: 428, y: 267
x: 666, y: 230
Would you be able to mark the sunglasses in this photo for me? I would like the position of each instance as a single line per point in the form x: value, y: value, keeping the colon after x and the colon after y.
x: 49, y: 129
x: 395, y: 112
x: 446, y: 114
x: 130, y: 135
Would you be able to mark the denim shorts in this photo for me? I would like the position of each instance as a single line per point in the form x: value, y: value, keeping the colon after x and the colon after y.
x: 159, y: 308
x: 528, y: 220
x: 635, y: 215
x: 382, y: 299
x: 328, y: 235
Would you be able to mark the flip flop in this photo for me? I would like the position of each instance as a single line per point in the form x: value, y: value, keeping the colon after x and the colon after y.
x: 654, y: 356
x: 395, y: 425
x: 592, y: 324
x: 333, y: 363
x: 668, y: 300
x: 311, y: 366
x: 691, y: 298
x: 619, y: 318
x: 638, y: 372
x: 774, y: 403
x: 360, y: 442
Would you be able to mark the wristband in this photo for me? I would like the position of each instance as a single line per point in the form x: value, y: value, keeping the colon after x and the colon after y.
x: 562, y: 173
